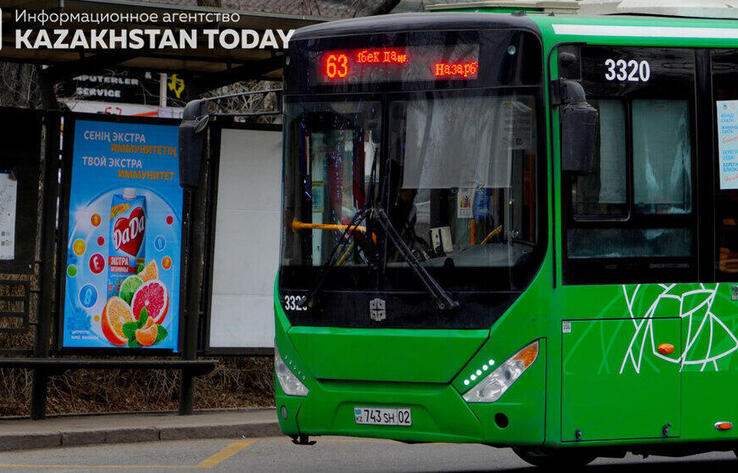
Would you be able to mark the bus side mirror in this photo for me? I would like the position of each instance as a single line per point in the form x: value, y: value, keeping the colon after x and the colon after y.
x: 580, y: 129
x: 194, y: 121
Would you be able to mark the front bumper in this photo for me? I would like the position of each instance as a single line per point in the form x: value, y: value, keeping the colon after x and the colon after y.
x: 439, y: 412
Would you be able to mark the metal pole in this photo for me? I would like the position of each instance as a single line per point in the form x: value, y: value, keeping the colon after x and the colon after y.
x: 38, y: 393
x: 196, y: 203
x: 50, y: 150
x: 186, y: 388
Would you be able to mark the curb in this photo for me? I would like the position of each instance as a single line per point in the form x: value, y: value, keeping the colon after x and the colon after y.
x: 75, y: 438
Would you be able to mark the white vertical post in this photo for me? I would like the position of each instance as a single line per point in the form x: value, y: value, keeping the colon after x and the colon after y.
x: 163, y: 90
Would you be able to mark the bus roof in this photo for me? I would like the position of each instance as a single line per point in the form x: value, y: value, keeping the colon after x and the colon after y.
x: 639, y: 30
x: 542, y: 6
x: 725, y: 9
x: 609, y: 29
x: 414, y: 22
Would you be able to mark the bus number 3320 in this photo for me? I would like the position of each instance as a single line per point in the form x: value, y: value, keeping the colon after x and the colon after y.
x: 296, y: 303
x: 627, y: 70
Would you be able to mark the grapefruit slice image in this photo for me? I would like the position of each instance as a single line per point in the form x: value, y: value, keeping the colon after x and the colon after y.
x: 154, y: 296
x: 115, y: 313
x: 150, y: 271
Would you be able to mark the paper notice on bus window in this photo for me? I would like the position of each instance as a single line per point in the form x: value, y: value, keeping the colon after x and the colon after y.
x: 518, y: 122
x: 727, y: 120
x: 318, y: 202
x: 8, y: 198
x: 464, y: 200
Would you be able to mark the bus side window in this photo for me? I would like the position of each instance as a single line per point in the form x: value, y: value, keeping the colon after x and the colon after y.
x: 662, y: 184
x: 632, y: 218
x: 603, y: 192
x: 662, y: 156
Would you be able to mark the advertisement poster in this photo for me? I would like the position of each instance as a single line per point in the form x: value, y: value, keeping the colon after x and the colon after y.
x: 8, y: 198
x: 727, y: 116
x: 124, y: 237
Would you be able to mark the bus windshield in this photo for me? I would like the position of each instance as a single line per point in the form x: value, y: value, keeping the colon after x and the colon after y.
x: 461, y: 175
x: 455, y: 171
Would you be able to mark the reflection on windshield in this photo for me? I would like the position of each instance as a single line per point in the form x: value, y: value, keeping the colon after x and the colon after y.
x: 468, y: 198
x: 458, y: 183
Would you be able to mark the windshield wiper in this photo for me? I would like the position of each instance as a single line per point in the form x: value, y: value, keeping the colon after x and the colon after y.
x: 442, y: 298
x: 330, y: 263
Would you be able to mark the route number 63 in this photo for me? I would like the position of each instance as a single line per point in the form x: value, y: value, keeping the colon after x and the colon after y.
x: 631, y: 71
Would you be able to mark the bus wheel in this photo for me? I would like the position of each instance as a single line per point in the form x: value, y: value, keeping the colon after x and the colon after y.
x: 554, y: 458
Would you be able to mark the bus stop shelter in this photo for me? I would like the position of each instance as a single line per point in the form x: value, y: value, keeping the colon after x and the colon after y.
x: 37, y: 157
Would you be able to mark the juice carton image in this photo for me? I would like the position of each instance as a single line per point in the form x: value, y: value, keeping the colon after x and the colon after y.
x: 126, y: 242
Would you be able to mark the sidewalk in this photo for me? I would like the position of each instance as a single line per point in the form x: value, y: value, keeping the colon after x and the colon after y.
x: 63, y: 431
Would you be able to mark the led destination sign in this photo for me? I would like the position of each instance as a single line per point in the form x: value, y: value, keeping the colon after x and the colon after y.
x: 393, y: 64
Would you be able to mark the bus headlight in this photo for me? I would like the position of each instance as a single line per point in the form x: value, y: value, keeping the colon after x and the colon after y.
x: 497, y: 382
x: 290, y: 383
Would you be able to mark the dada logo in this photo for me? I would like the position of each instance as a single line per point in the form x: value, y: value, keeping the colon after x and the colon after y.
x: 128, y: 232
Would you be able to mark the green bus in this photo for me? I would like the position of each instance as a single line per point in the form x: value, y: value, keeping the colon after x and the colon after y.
x: 513, y: 229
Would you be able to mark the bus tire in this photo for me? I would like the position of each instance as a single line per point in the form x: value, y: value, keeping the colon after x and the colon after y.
x: 550, y: 459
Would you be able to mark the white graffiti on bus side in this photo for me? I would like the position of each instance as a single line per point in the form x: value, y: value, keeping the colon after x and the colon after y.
x: 709, y: 326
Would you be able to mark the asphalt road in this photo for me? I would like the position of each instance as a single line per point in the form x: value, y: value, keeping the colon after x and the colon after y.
x: 329, y: 455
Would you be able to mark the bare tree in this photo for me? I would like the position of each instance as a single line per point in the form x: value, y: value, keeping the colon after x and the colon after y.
x: 249, y: 103
x: 19, y: 85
